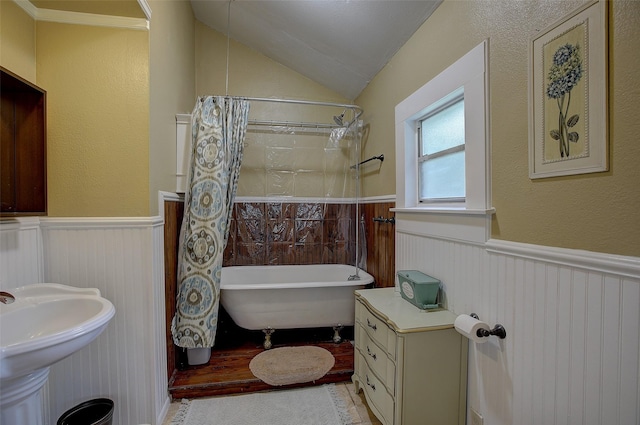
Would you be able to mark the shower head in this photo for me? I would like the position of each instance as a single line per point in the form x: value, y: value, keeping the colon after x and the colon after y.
x: 338, y: 119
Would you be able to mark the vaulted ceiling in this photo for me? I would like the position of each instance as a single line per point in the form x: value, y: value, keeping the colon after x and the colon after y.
x: 341, y: 44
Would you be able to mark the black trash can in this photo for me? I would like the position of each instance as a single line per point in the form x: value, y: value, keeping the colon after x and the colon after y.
x: 93, y: 412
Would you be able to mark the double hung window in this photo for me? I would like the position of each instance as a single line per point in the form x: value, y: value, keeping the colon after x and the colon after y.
x: 441, y: 153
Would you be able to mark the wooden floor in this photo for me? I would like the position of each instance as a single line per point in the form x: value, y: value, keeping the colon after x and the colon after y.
x: 228, y: 369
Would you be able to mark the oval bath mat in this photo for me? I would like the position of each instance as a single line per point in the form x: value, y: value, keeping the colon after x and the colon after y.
x: 291, y: 365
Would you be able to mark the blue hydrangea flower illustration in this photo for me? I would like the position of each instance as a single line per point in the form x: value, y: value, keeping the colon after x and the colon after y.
x: 564, y: 74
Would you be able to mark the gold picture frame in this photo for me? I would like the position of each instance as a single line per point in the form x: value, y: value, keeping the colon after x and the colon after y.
x: 568, y: 86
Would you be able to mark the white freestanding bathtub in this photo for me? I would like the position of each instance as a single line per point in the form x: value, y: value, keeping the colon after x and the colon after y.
x: 290, y: 297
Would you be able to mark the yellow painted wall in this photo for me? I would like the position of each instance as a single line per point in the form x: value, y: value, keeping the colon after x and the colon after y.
x: 250, y: 73
x: 596, y: 212
x: 17, y: 41
x: 272, y: 164
x: 113, y: 95
x: 97, y: 82
x: 172, y: 88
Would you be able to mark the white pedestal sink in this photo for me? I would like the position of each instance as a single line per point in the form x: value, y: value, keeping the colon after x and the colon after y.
x: 44, y: 324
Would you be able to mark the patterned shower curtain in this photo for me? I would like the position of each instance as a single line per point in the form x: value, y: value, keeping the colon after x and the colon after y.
x: 218, y: 127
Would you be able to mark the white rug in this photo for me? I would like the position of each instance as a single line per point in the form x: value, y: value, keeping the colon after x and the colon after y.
x: 321, y: 405
x: 292, y: 365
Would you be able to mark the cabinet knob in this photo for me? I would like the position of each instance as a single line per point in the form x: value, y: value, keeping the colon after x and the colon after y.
x: 373, y: 355
x: 373, y: 387
x: 372, y: 325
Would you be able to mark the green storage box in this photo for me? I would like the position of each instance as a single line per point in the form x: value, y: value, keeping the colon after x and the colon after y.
x: 419, y: 289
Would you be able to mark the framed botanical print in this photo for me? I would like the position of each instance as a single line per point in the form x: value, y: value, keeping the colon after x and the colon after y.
x: 568, y: 86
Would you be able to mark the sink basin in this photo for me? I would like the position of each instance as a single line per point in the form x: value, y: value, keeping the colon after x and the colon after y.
x: 46, y: 323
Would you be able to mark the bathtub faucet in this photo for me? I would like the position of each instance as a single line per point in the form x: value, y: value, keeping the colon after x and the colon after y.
x: 381, y: 219
x: 6, y: 298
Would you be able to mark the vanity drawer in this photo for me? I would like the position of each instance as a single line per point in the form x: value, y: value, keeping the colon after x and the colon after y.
x: 376, y: 358
x: 375, y: 391
x: 377, y: 329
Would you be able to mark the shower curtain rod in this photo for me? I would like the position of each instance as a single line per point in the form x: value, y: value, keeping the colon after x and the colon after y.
x: 309, y: 125
x: 305, y: 102
x: 358, y: 110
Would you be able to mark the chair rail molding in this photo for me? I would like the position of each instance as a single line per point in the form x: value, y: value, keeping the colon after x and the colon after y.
x: 575, y: 258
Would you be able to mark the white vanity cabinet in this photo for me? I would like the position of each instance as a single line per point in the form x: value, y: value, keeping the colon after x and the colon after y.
x: 410, y: 363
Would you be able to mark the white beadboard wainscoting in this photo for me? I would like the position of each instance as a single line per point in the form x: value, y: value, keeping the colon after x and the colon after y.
x: 572, y: 352
x: 124, y: 259
x: 20, y: 252
x: 571, y: 356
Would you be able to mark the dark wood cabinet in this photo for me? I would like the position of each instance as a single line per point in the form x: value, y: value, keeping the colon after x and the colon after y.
x: 23, y: 166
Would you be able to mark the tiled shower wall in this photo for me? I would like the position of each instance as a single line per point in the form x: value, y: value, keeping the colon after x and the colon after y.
x: 286, y: 233
x: 284, y: 163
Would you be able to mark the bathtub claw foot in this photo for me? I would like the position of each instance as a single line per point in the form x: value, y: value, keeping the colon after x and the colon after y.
x: 336, y: 334
x: 267, y: 338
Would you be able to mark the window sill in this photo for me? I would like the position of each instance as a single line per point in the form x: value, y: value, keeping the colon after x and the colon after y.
x: 444, y: 210
x: 449, y: 223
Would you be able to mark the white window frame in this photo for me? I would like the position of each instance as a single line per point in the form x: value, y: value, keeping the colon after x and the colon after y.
x: 448, y: 220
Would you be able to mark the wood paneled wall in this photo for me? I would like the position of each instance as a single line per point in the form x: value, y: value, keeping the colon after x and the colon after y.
x: 173, y: 212
x: 380, y: 239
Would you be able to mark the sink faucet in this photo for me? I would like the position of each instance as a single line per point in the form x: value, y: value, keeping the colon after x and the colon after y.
x: 6, y: 298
